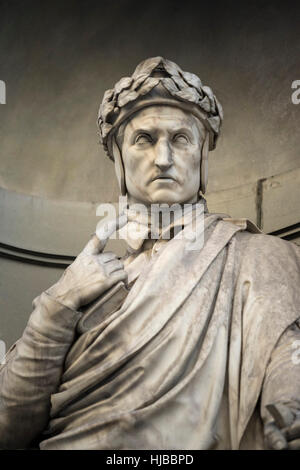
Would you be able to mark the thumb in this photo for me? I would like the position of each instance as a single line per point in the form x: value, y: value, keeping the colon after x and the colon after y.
x: 103, y: 232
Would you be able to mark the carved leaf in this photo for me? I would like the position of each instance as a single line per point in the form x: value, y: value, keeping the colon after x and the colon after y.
x: 169, y: 85
x: 192, y: 79
x: 180, y: 82
x: 138, y: 81
x: 208, y: 91
x: 108, y: 95
x: 123, y: 84
x: 171, y: 67
x: 188, y: 94
x: 106, y: 109
x: 219, y: 108
x: 147, y: 86
x: 105, y: 129
x: 127, y: 96
x: 205, y: 104
x: 147, y: 66
x: 214, y: 123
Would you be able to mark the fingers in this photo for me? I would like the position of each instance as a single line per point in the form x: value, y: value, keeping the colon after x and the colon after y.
x: 98, y: 241
x: 275, y: 438
x: 93, y: 246
x: 113, y: 265
x: 288, y: 420
x: 107, y: 256
x: 119, y: 275
x: 104, y: 231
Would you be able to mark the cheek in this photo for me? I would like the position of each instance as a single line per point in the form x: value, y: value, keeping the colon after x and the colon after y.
x: 196, y: 158
x: 190, y: 163
x: 136, y: 168
x: 190, y: 171
x: 132, y: 163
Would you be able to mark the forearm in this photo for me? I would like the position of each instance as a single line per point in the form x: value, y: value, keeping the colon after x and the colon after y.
x: 33, y: 371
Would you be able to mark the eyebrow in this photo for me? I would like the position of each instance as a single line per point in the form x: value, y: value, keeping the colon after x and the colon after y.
x: 150, y: 130
x: 143, y: 131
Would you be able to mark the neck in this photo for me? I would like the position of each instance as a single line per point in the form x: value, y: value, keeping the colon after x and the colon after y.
x: 162, y: 213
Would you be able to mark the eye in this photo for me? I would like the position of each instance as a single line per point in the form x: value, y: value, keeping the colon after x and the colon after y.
x: 181, y: 139
x: 143, y: 139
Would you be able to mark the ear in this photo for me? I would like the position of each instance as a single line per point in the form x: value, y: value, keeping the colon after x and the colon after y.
x: 119, y: 168
x: 204, y: 164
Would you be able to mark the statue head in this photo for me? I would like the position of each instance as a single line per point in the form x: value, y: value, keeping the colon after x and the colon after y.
x: 158, y: 127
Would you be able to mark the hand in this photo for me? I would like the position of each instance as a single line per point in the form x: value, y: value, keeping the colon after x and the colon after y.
x: 284, y: 431
x: 92, y: 272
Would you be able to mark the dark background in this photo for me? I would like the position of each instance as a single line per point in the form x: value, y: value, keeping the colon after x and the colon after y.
x: 57, y: 59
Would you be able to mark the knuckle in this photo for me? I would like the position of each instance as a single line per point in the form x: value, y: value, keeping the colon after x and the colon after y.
x: 122, y: 274
x: 104, y: 270
x: 99, y: 259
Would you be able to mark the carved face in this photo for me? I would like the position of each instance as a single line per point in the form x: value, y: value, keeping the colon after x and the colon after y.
x: 161, y: 153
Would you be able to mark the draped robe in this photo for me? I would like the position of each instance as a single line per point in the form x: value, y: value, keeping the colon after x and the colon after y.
x: 191, y: 342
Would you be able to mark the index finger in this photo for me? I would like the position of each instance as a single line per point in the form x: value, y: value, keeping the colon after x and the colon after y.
x: 103, y: 231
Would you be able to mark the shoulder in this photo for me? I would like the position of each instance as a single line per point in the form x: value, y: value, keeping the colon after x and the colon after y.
x: 263, y: 244
x: 251, y: 238
x: 268, y: 259
x: 261, y: 254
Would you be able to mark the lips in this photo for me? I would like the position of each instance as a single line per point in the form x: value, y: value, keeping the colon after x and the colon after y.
x: 164, y: 177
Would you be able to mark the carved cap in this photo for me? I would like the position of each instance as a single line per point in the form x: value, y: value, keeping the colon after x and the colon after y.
x: 162, y: 82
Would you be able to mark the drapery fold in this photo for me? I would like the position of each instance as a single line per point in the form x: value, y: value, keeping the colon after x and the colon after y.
x: 152, y: 374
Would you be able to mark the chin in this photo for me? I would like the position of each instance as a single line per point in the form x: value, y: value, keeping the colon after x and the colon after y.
x: 167, y: 197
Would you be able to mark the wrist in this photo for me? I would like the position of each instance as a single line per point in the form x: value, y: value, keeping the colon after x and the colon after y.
x: 63, y: 297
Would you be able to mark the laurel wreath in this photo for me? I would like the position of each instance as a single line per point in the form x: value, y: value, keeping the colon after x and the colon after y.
x: 181, y: 85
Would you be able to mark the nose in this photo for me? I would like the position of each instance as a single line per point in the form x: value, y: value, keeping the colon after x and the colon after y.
x: 163, y: 155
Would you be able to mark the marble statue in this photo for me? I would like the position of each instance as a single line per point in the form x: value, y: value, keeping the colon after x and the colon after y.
x: 167, y: 347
